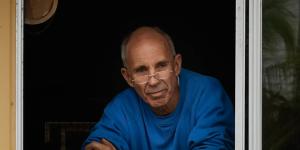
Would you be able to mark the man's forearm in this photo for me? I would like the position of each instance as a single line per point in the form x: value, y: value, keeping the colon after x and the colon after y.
x: 102, y: 145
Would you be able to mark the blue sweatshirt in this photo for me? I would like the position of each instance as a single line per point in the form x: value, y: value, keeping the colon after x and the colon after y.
x: 203, y: 119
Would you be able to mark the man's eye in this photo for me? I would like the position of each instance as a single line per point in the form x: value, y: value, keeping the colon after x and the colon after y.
x: 162, y: 65
x: 141, y: 70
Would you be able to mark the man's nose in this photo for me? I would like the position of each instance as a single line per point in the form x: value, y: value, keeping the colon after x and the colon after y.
x: 153, y: 80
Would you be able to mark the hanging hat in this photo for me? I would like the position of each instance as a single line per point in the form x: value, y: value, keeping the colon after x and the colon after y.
x: 39, y: 11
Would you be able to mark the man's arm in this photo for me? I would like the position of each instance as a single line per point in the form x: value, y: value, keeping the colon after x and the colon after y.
x: 102, y: 145
x: 214, y: 128
x: 111, y: 127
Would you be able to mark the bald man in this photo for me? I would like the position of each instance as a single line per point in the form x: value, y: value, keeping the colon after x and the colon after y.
x: 166, y: 107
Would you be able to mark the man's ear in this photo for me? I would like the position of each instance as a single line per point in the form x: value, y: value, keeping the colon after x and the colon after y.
x: 177, y: 61
x: 126, y: 76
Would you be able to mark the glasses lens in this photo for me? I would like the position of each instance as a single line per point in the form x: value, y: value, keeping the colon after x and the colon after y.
x: 142, y: 79
x: 163, y: 74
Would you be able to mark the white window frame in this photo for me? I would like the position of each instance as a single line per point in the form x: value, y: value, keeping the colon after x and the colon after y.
x: 254, y: 81
x: 240, y: 75
x: 19, y: 74
x: 255, y: 75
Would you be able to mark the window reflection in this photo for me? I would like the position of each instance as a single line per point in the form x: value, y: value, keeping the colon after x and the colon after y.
x: 281, y: 74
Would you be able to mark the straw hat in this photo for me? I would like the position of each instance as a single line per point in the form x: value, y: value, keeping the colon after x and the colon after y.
x: 39, y: 11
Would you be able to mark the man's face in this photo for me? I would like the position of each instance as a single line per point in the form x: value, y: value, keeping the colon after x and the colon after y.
x: 148, y: 56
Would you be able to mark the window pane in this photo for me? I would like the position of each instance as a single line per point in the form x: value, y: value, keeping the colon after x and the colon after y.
x: 281, y: 74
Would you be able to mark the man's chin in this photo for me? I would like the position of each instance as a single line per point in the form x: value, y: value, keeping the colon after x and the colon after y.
x: 157, y: 102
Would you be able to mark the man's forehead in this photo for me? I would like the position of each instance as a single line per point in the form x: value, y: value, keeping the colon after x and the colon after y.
x: 153, y: 62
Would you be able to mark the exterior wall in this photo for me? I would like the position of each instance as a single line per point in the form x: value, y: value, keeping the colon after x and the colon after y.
x: 7, y: 74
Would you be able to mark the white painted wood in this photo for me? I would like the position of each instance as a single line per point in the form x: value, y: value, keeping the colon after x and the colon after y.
x: 255, y: 75
x: 19, y: 74
x: 240, y: 76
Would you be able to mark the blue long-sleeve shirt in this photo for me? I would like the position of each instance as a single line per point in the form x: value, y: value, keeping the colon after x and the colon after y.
x: 203, y: 119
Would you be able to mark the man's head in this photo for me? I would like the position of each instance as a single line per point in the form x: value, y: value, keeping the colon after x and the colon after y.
x: 151, y: 67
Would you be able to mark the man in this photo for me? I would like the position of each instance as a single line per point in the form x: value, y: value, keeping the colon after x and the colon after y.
x: 167, y: 107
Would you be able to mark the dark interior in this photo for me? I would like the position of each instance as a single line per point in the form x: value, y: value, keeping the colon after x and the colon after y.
x: 72, y: 62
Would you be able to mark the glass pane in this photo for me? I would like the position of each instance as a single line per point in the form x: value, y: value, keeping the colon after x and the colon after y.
x: 281, y: 74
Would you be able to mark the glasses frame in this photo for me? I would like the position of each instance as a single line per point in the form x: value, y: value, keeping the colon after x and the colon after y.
x: 149, y: 76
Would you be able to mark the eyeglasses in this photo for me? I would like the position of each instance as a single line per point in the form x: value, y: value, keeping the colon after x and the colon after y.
x: 160, y: 75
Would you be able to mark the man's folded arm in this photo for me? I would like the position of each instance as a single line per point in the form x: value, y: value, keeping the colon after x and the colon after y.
x: 108, y: 128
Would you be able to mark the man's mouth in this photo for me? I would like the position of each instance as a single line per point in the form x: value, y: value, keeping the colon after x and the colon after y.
x: 157, y: 94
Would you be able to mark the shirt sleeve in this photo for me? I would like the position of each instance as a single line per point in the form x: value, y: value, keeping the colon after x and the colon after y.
x: 214, y: 127
x: 110, y: 128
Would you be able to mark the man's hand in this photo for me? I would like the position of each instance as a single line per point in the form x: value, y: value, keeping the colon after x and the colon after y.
x: 102, y: 145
